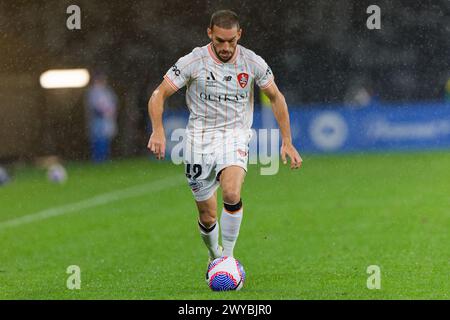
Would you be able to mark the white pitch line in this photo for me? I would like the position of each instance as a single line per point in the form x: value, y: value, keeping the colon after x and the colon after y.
x: 95, y: 201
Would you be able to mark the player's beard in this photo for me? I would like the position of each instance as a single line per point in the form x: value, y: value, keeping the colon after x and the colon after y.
x: 231, y: 53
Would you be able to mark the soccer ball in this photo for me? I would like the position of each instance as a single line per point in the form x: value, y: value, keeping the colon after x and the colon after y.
x: 56, y: 173
x: 225, y: 274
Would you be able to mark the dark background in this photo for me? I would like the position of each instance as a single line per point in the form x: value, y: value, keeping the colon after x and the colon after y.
x: 320, y: 51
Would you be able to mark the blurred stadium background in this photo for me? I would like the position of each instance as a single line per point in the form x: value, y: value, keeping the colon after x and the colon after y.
x: 349, y: 90
x: 321, y: 52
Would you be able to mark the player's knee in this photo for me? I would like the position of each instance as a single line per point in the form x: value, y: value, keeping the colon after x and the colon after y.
x: 231, y: 196
x: 207, y: 220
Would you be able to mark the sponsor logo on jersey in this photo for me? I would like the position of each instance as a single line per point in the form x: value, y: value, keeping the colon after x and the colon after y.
x: 211, y: 80
x: 224, y: 97
x: 227, y: 78
x: 211, y: 76
x: 242, y: 79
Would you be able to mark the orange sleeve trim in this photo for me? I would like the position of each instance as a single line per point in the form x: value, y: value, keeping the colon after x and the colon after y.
x: 171, y: 83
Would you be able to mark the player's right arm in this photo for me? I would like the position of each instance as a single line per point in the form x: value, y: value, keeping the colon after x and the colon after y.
x: 175, y: 78
x: 157, y: 141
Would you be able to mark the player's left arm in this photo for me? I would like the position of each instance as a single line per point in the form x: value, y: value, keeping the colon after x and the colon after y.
x: 280, y: 110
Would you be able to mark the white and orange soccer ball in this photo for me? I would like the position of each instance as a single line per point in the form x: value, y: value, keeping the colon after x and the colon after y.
x: 225, y: 274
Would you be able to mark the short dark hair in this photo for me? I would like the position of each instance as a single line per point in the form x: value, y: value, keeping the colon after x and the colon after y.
x: 226, y: 19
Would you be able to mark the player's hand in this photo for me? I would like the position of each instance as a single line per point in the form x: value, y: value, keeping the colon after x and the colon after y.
x: 287, y: 149
x: 157, y: 144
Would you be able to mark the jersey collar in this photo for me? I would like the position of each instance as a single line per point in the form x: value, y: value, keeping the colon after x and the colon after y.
x: 217, y: 60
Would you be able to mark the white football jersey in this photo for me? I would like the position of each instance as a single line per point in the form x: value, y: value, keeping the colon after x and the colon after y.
x: 219, y: 95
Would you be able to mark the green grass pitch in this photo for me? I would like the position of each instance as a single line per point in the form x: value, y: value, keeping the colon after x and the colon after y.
x: 307, y: 234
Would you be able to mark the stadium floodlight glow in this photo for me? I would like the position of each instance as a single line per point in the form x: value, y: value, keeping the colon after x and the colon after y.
x: 64, y: 78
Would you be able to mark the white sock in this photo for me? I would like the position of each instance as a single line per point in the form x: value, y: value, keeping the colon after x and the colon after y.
x: 210, y: 237
x: 230, y: 224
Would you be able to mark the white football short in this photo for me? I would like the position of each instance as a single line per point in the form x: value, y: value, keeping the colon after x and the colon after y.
x: 203, y: 169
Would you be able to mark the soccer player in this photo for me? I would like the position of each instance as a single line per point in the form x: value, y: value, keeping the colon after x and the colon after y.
x: 220, y: 80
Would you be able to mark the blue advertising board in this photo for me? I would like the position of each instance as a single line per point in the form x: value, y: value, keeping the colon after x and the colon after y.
x: 375, y: 128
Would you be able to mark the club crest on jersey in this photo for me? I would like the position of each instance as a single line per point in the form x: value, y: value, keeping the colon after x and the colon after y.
x: 242, y: 79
